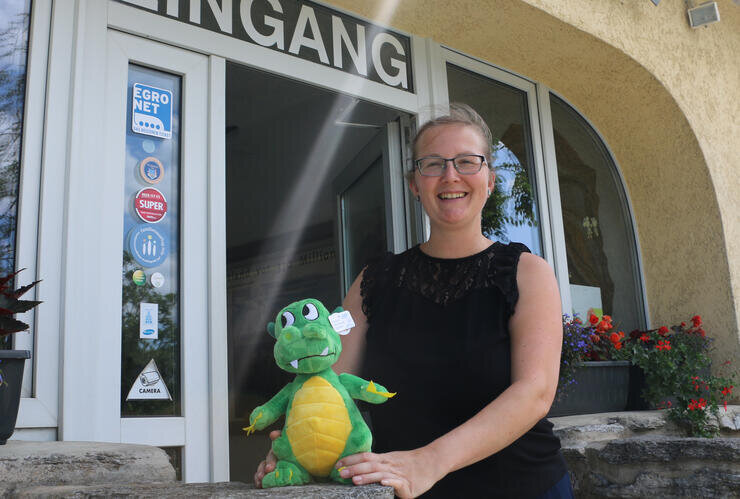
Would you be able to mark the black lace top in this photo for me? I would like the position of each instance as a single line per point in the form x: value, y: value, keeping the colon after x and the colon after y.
x: 438, y: 335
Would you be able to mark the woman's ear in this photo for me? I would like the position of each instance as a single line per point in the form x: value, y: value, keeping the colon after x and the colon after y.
x: 413, y: 188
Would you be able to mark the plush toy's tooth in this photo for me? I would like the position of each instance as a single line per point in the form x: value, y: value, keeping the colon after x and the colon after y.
x: 294, y: 363
x: 325, y: 352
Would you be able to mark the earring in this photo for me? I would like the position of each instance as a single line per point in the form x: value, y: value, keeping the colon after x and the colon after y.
x: 489, y: 192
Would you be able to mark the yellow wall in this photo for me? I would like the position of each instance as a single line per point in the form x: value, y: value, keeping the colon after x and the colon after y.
x: 665, y: 97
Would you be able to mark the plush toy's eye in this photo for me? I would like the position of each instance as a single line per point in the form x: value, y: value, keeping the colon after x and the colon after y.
x: 287, y: 319
x: 310, y: 312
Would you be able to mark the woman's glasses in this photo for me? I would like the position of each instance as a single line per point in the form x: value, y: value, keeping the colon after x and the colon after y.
x: 465, y: 164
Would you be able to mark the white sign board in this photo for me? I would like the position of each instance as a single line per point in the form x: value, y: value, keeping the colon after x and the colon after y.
x: 585, y: 298
x: 149, y: 385
x: 148, y: 321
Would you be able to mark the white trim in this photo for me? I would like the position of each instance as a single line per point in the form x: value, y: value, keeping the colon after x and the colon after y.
x: 393, y: 177
x: 44, y: 144
x: 638, y: 272
x: 153, y: 26
x: 29, y: 187
x: 217, y: 309
x: 90, y: 239
x: 560, y: 258
x: 162, y: 432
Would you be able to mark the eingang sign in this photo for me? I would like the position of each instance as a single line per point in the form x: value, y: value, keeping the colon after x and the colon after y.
x: 303, y: 29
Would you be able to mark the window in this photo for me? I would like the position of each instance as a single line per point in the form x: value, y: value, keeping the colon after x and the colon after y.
x: 511, y: 213
x: 14, y: 21
x: 601, y: 247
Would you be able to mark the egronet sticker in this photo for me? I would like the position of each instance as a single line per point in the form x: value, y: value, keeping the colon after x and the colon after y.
x: 342, y: 322
x: 147, y: 245
x: 148, y: 321
x: 157, y: 279
x: 151, y: 170
x: 150, y: 205
x: 139, y: 277
x: 149, y: 385
x: 151, y: 110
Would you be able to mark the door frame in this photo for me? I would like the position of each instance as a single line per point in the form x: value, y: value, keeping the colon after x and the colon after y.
x: 387, y: 142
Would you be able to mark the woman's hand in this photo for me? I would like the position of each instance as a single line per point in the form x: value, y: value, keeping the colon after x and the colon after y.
x: 410, y: 473
x: 268, y: 464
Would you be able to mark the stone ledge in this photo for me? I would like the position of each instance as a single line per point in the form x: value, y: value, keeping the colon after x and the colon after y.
x: 202, y: 490
x: 69, y: 463
x: 640, y: 454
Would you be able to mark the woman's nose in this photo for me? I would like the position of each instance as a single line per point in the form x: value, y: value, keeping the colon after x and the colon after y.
x: 450, y: 173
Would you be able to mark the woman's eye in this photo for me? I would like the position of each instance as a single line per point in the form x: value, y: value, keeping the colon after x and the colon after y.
x: 287, y: 319
x: 310, y: 311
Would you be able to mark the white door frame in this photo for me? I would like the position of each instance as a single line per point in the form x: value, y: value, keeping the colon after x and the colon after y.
x: 203, y: 399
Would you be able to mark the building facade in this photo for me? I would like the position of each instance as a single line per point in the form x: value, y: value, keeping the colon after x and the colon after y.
x: 177, y: 171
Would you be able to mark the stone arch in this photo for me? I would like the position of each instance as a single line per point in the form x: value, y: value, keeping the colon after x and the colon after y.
x: 675, y: 199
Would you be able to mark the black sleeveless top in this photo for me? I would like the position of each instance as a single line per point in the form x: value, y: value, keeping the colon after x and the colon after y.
x: 438, y: 335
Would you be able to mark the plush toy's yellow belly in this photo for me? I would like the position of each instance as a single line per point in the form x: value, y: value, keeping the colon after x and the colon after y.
x: 318, y: 426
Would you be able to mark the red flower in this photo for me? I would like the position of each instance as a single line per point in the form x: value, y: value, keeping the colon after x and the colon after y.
x: 595, y: 338
x: 663, y: 331
x: 683, y: 324
x: 725, y: 406
x: 618, y: 346
x: 644, y: 338
x: 663, y: 345
x: 696, y: 320
x: 593, y: 319
x: 700, y: 404
x: 727, y: 390
x: 614, y: 338
x: 702, y: 332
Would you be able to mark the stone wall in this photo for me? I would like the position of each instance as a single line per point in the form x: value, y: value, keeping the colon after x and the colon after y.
x: 640, y: 454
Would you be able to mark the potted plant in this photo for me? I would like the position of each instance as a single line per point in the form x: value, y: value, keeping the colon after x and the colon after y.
x: 676, y: 367
x: 11, y: 361
x: 594, y: 368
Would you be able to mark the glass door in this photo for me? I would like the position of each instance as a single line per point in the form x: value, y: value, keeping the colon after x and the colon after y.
x: 366, y: 206
x: 158, y: 151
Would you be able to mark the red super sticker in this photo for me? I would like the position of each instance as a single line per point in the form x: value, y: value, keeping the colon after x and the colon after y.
x: 150, y: 205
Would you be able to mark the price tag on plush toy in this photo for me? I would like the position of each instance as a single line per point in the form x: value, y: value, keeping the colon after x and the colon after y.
x: 342, y: 322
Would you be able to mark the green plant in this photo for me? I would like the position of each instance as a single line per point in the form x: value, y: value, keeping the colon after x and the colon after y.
x: 11, y: 305
x: 676, y: 365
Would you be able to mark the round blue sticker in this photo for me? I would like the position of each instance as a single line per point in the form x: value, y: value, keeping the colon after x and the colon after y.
x: 151, y: 170
x: 148, y: 245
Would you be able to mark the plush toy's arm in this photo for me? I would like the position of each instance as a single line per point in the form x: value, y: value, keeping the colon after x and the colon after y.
x: 268, y: 413
x: 368, y: 391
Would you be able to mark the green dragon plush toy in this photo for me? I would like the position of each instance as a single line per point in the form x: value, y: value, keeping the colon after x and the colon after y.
x: 322, y: 422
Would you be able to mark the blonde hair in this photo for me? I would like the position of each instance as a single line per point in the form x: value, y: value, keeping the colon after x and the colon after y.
x: 458, y: 114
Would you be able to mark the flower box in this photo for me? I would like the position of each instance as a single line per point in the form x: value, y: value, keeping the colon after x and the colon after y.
x: 601, y: 386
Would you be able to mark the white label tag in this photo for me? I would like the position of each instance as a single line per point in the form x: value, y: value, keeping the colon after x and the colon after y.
x: 148, y: 321
x: 149, y: 385
x: 342, y: 322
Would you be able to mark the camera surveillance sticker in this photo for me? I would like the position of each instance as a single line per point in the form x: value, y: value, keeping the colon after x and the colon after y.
x: 149, y: 385
x: 151, y: 111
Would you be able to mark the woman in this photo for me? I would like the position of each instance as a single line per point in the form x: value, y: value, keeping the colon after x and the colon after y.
x: 467, y: 332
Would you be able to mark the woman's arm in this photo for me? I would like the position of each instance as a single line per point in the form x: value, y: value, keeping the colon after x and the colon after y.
x: 536, y: 338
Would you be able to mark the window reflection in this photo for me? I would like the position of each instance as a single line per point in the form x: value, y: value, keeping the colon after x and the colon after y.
x: 14, y: 19
x: 511, y: 213
x: 599, y: 236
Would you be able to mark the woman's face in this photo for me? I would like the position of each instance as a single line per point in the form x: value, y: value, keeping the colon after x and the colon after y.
x: 452, y: 200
